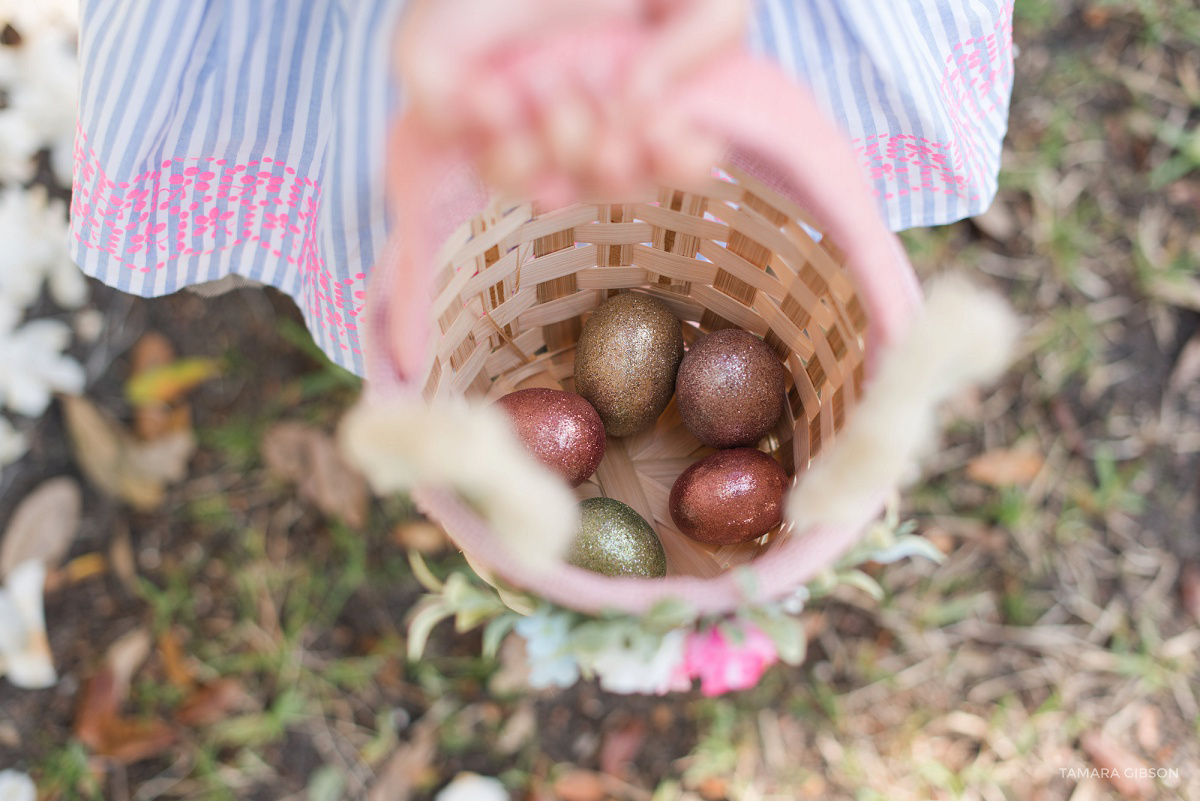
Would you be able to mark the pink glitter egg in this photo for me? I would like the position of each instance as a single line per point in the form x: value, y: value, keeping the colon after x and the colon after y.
x: 560, y: 429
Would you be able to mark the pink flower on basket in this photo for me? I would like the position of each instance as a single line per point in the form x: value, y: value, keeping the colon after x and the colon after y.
x: 723, y: 663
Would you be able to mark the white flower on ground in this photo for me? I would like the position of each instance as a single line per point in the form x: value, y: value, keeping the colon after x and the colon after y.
x: 632, y: 667
x: 32, y: 363
x: 45, y: 89
x: 551, y: 664
x: 12, y: 446
x: 34, y: 231
x: 24, y: 648
x: 19, y: 143
x: 31, y: 17
x: 16, y: 786
x: 468, y: 787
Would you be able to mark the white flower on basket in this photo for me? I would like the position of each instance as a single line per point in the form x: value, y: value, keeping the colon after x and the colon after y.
x: 12, y: 443
x: 32, y: 363
x: 16, y: 786
x: 626, y: 667
x: 468, y: 787
x: 34, y: 231
x: 24, y: 648
x: 402, y: 443
x: 546, y: 635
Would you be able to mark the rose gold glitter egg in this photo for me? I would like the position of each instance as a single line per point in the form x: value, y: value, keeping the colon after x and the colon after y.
x: 626, y: 360
x: 560, y: 429
x: 730, y: 389
x: 729, y: 497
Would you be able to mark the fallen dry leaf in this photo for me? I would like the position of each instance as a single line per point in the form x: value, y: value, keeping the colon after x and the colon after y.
x: 43, y: 525
x: 120, y: 556
x: 125, y: 656
x: 1127, y: 774
x: 411, y: 764
x: 212, y: 702
x: 98, y: 723
x: 121, y: 465
x: 167, y: 383
x: 1149, y: 729
x: 150, y: 351
x: 175, y: 665
x: 84, y: 566
x: 310, y: 458
x: 1189, y: 589
x: 1184, y: 293
x: 620, y: 746
x: 580, y: 785
x: 151, y: 421
x: 1005, y: 468
x: 420, y: 536
x: 104, y: 732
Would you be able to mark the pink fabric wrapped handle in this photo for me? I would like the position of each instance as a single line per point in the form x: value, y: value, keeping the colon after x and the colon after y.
x: 777, y: 133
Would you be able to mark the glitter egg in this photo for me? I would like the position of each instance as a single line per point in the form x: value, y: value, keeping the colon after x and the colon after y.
x: 560, y: 429
x: 616, y: 541
x: 729, y: 497
x: 731, y: 389
x: 626, y: 360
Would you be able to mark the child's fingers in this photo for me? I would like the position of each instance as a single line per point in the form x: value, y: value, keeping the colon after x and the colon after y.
x: 569, y: 125
x: 681, y: 155
x: 690, y: 35
x: 512, y: 162
x: 445, y: 44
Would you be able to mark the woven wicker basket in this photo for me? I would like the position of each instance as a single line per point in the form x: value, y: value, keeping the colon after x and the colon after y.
x: 513, y: 289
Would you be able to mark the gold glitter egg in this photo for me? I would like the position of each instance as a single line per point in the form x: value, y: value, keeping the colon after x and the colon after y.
x: 626, y: 360
x: 614, y: 540
x: 560, y: 429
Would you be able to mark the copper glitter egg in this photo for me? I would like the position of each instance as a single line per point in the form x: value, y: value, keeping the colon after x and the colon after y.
x: 626, y: 360
x: 729, y: 497
x: 614, y: 540
x: 730, y: 389
x: 560, y: 429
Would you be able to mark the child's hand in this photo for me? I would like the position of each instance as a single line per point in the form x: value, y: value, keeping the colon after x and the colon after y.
x: 556, y: 98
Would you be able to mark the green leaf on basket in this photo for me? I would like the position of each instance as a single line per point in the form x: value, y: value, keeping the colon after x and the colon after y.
x: 597, y: 635
x: 905, y: 547
x: 669, y: 613
x: 747, y: 581
x: 785, y: 631
x: 429, y: 612
x: 422, y: 573
x: 860, y: 580
x: 496, y: 631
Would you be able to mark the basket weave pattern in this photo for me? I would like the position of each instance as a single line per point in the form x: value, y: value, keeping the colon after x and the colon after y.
x: 514, y: 288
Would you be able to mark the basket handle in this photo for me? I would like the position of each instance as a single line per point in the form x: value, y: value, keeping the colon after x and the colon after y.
x: 775, y: 130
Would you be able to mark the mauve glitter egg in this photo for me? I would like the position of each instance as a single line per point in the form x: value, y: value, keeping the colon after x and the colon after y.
x: 560, y: 429
x: 730, y: 389
x: 626, y: 360
x: 729, y: 497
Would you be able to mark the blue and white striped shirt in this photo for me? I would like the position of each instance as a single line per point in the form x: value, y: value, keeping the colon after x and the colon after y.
x: 225, y: 136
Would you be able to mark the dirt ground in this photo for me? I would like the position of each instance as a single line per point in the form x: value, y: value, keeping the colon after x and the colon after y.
x: 1057, y: 643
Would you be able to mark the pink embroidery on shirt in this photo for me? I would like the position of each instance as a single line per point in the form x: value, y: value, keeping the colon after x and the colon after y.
x: 974, y: 87
x: 200, y: 206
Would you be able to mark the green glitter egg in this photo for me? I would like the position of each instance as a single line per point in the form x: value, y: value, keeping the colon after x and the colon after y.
x: 614, y: 540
